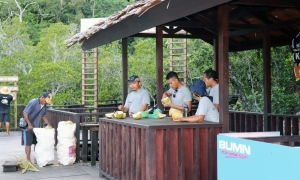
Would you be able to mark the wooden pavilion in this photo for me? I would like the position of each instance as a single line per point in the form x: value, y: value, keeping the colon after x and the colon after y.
x: 228, y: 25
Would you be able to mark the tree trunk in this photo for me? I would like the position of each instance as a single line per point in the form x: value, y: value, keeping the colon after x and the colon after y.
x: 239, y: 88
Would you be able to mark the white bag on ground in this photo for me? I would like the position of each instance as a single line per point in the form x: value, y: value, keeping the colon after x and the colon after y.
x: 44, y: 149
x: 66, y: 146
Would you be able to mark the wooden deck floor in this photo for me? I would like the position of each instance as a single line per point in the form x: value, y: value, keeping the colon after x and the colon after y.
x: 10, y: 147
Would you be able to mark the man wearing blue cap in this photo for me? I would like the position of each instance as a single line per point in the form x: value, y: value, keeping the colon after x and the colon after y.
x: 35, y: 110
x: 138, y: 99
x: 206, y: 109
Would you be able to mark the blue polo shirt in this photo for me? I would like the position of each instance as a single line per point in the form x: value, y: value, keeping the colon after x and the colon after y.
x: 32, y: 108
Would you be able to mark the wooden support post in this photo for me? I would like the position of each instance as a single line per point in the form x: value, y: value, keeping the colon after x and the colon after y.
x: 267, y: 77
x: 216, y: 55
x: 159, y: 66
x: 223, y: 47
x: 124, y: 69
x: 94, y: 146
x: 84, y: 144
x: 77, y: 135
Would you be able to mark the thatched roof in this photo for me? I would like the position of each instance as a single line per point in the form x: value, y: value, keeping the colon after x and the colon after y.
x: 248, y: 20
x: 137, y: 8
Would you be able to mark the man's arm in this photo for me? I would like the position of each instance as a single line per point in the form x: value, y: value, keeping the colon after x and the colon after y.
x: 26, y: 117
x: 171, y: 105
x: 144, y: 107
x: 46, y: 120
x: 189, y: 103
x: 217, y: 106
x: 195, y: 118
x: 123, y: 108
x: 166, y: 94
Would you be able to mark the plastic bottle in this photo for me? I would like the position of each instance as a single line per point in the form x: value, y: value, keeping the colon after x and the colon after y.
x: 185, y: 110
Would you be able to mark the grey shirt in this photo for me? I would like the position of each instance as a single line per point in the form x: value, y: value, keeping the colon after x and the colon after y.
x: 214, y: 92
x: 32, y: 108
x: 182, y: 95
x: 136, y: 99
x: 206, y: 108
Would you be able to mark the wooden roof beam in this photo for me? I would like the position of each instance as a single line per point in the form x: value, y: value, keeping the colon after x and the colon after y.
x: 273, y: 3
x: 192, y: 24
x: 257, y: 44
x: 262, y: 17
x: 177, y: 30
x: 169, y: 31
x: 268, y: 27
x: 215, y: 30
x: 188, y: 36
x: 241, y: 14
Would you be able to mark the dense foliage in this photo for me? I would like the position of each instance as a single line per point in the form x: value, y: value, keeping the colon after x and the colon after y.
x: 32, y: 35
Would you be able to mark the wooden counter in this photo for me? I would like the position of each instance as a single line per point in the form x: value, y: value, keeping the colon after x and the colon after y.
x: 157, y: 149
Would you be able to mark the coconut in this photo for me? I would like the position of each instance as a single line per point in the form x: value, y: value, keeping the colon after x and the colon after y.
x: 175, y: 114
x: 136, y: 116
x: 161, y: 116
x: 109, y: 115
x: 165, y: 100
x: 119, y: 114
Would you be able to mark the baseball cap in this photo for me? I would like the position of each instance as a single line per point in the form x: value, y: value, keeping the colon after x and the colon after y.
x: 132, y: 78
x: 199, y: 88
x: 48, y: 97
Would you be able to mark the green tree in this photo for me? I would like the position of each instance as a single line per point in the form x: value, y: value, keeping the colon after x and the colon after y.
x: 58, y: 69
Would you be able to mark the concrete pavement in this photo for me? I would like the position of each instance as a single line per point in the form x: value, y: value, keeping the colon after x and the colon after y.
x: 10, y: 147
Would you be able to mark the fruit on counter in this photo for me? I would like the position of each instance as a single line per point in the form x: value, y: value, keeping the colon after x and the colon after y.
x: 137, y: 116
x: 165, y: 100
x: 48, y: 127
x: 119, y: 114
x: 173, y: 110
x: 109, y: 115
x: 161, y: 116
x: 69, y: 122
x: 175, y: 114
x: 124, y: 115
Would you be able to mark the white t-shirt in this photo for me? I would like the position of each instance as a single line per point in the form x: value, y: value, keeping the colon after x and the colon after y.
x: 136, y: 99
x: 214, y: 92
x: 206, y: 108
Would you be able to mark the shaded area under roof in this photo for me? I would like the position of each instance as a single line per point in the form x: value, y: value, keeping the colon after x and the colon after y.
x: 248, y: 19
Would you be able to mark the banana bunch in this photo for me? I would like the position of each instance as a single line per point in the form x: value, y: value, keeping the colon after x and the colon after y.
x: 26, y: 165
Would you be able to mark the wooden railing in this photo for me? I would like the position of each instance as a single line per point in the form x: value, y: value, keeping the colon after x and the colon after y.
x: 254, y: 122
x: 76, y: 115
x: 283, y: 140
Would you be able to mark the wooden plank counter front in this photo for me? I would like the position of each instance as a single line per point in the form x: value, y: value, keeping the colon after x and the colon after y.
x: 157, y: 149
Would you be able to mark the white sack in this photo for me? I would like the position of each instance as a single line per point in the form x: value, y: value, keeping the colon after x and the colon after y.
x: 66, y: 146
x: 44, y: 149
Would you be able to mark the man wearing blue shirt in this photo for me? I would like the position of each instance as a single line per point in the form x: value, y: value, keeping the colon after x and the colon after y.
x: 33, y: 112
